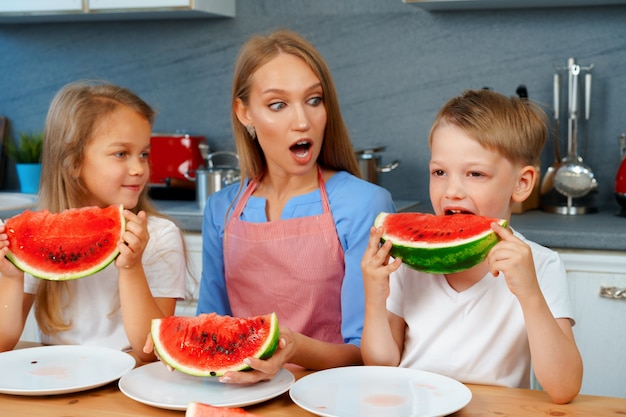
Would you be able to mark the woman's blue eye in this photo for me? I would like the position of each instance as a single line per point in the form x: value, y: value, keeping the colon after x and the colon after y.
x: 277, y: 106
x: 315, y: 101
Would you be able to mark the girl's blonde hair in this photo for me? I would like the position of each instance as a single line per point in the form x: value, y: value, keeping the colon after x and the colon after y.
x: 514, y: 127
x: 337, y: 152
x: 72, y: 118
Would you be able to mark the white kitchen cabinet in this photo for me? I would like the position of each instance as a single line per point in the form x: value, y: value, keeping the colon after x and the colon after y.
x: 437, y: 5
x: 194, y: 257
x: 600, y: 328
x: 35, y: 11
x: 41, y: 6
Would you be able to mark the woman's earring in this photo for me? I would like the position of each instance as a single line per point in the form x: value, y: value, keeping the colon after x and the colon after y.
x: 251, y: 131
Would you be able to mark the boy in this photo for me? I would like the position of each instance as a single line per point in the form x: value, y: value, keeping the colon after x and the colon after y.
x: 485, y: 324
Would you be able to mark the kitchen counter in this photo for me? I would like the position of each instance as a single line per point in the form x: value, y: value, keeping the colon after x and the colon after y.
x: 604, y: 230
x: 188, y: 216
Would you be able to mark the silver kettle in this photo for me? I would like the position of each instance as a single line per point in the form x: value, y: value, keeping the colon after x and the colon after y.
x: 215, y: 177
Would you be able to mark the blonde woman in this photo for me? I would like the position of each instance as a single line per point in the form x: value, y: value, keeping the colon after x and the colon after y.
x: 290, y: 237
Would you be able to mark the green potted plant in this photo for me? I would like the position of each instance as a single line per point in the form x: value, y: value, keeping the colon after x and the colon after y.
x: 26, y: 153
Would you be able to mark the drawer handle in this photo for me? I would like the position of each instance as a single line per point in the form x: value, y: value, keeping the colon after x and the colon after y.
x: 613, y: 292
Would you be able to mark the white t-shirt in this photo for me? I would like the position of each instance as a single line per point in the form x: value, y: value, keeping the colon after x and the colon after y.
x: 94, y: 307
x: 477, y: 335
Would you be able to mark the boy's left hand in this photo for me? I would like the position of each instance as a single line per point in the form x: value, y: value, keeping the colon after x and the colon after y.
x: 134, y: 240
x: 514, y: 259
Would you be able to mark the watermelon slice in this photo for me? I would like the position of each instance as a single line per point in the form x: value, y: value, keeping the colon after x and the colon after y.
x: 68, y: 245
x: 196, y: 409
x: 439, y: 244
x: 211, y: 345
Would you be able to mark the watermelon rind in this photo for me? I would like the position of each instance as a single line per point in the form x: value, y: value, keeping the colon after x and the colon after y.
x: 79, y: 271
x: 441, y: 258
x: 169, y: 350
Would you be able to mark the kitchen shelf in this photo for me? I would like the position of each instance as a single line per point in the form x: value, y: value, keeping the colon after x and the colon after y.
x: 436, y: 5
x: 43, y: 11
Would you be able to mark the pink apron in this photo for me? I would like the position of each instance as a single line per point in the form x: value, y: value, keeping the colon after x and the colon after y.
x: 293, y: 267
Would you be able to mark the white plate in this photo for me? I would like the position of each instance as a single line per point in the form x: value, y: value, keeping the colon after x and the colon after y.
x: 47, y: 370
x: 155, y: 385
x: 375, y: 391
x: 16, y: 201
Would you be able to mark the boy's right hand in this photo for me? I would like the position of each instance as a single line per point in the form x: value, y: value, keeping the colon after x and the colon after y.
x: 376, y: 267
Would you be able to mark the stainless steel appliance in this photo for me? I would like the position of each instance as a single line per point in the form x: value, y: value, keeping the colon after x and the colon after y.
x: 370, y: 163
x: 571, y: 178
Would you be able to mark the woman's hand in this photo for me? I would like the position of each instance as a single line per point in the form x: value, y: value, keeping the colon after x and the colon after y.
x: 265, y: 369
x: 134, y: 240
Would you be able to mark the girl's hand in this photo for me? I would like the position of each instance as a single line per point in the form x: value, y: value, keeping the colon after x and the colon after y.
x: 7, y: 269
x: 134, y: 240
x: 265, y: 369
x: 514, y: 259
x: 376, y: 267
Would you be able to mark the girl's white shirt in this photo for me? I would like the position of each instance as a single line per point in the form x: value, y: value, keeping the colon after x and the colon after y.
x: 94, y: 308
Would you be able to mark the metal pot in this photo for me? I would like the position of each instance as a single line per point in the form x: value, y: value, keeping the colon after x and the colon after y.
x: 370, y: 164
x: 214, y: 178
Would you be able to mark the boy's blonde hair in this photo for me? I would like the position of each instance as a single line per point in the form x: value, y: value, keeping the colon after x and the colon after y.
x: 516, y: 128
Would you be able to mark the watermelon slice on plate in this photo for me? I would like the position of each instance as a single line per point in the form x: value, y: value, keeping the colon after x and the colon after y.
x: 439, y: 244
x: 68, y: 245
x: 197, y: 409
x: 211, y: 345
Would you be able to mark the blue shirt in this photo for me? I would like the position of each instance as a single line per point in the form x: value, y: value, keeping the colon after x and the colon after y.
x: 354, y: 204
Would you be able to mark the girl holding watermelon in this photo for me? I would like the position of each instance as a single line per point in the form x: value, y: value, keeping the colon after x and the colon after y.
x: 289, y: 239
x: 488, y: 323
x: 95, y: 153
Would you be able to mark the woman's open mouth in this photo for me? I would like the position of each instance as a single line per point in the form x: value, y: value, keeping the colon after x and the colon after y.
x: 301, y: 148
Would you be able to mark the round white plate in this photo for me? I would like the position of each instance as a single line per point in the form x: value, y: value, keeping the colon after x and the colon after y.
x: 155, y: 385
x: 375, y: 391
x: 48, y: 370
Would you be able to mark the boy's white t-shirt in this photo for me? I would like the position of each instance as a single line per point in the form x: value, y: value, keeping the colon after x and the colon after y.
x: 477, y: 335
x: 94, y: 309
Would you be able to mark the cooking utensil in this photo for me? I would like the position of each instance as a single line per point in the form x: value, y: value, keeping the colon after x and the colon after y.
x: 574, y: 178
x: 548, y: 180
x: 213, y: 179
x: 370, y: 164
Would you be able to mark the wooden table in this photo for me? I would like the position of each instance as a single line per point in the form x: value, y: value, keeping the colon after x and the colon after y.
x: 486, y: 401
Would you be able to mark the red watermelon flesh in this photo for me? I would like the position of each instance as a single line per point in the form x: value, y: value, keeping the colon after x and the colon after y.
x: 211, y: 345
x: 196, y: 409
x: 439, y: 244
x: 68, y: 245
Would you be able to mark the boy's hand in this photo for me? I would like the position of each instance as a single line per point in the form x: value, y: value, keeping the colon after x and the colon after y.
x: 134, y: 240
x: 376, y: 267
x: 514, y: 259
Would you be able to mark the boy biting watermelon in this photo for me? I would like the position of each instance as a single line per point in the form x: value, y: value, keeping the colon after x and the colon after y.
x: 485, y: 324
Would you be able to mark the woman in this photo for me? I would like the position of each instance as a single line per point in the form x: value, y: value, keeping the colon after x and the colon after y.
x: 291, y: 236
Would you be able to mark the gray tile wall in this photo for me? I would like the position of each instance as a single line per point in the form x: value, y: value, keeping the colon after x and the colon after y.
x: 394, y: 65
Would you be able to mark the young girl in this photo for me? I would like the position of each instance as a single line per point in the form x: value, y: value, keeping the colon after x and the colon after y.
x: 96, y: 149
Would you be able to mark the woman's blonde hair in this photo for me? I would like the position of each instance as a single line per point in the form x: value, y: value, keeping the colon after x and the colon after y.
x: 71, y: 121
x: 514, y: 127
x: 337, y: 152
